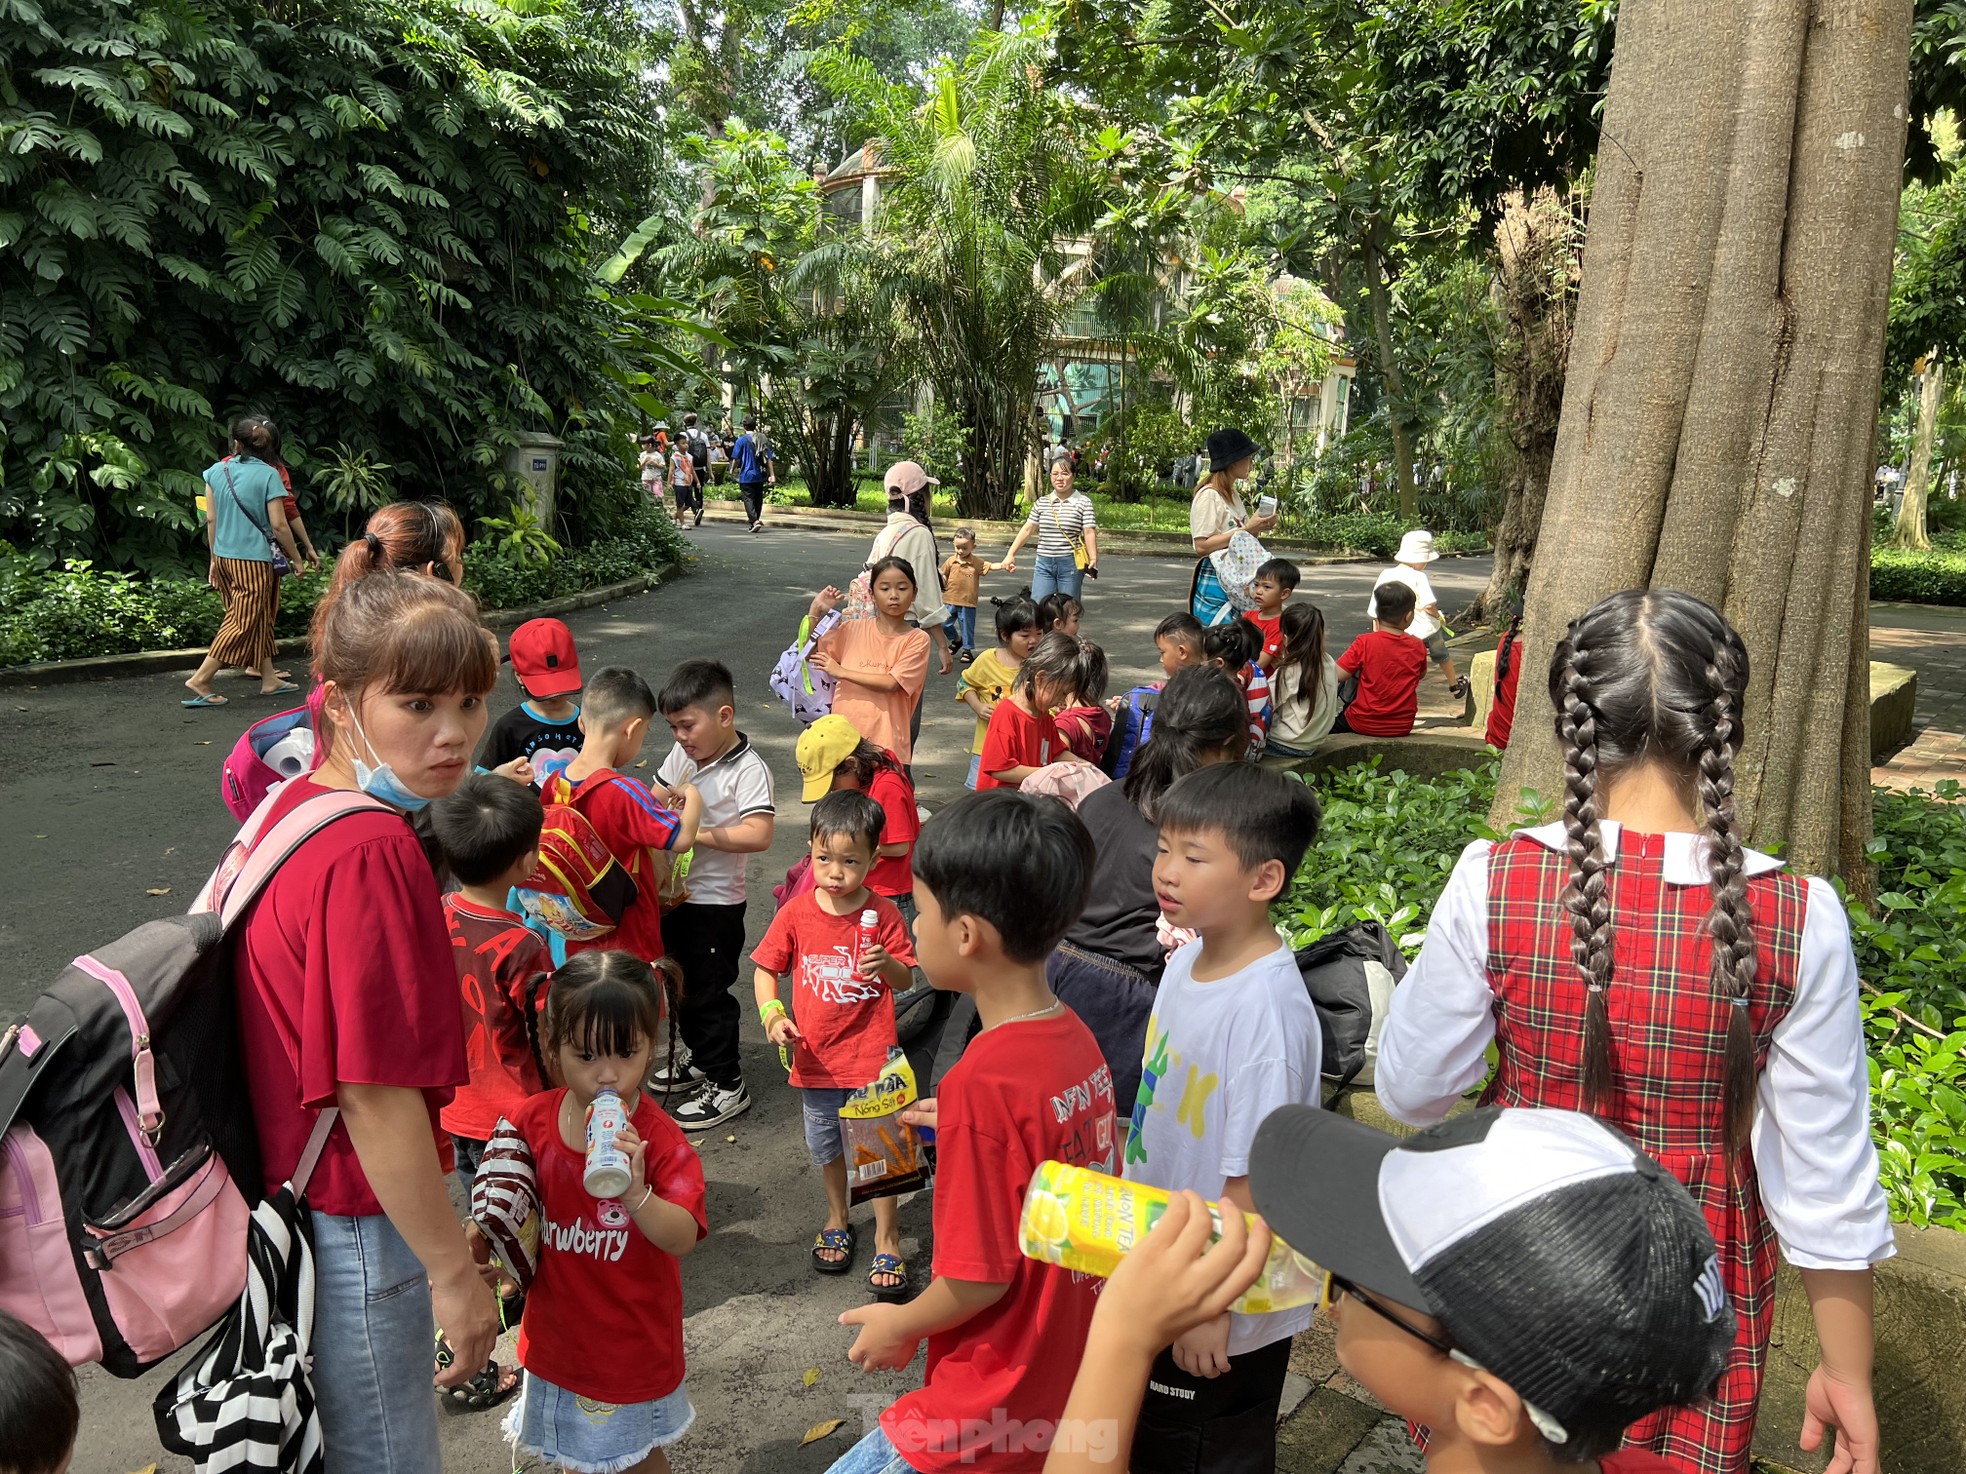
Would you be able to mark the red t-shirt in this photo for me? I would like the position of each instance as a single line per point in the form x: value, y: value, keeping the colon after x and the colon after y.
x: 846, y: 1024
x: 604, y: 1317
x: 1389, y: 665
x: 1636, y: 1461
x: 1021, y: 1094
x: 894, y: 875
x: 1272, y: 631
x: 1083, y: 731
x: 630, y: 822
x: 1501, y: 716
x: 1016, y: 739
x: 343, y: 974
x: 501, y: 971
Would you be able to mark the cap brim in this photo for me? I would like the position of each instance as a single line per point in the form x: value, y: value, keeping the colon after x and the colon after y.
x: 549, y: 683
x: 816, y: 787
x: 1315, y: 1177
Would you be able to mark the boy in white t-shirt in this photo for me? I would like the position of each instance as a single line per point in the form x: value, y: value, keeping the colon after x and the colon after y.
x: 1232, y: 1037
x: 706, y: 933
x: 1416, y: 551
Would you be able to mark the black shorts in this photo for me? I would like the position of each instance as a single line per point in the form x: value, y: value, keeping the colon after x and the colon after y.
x: 1212, y: 1425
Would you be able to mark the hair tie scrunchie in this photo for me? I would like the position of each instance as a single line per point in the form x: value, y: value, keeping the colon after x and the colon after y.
x: 375, y: 545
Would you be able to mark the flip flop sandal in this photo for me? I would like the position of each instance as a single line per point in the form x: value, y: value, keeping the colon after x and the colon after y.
x: 211, y: 699
x: 285, y: 688
x: 834, y: 1241
x: 483, y: 1391
x: 889, y: 1264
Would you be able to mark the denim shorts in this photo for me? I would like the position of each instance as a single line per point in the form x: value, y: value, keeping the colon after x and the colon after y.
x: 373, y: 1348
x: 585, y: 1436
x: 824, y: 1138
x: 872, y: 1455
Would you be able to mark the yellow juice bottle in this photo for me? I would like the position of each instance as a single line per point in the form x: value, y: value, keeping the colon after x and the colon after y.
x: 1087, y: 1221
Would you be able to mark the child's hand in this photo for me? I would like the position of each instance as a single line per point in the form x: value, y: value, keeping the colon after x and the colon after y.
x: 823, y: 603
x: 823, y: 660
x: 872, y: 961
x: 1204, y: 1351
x: 519, y: 770
x: 781, y: 1030
x: 921, y: 1113
x: 882, y: 1345
x: 1173, y: 1284
x: 630, y: 1141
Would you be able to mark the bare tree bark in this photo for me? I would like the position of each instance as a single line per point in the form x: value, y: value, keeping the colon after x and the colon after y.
x: 1910, y: 529
x: 1538, y: 251
x: 1720, y: 408
x: 1379, y: 294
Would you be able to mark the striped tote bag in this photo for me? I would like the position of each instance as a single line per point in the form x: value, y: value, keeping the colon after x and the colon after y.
x: 244, y: 1402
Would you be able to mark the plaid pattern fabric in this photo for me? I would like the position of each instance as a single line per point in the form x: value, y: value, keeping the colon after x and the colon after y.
x: 1668, y: 1043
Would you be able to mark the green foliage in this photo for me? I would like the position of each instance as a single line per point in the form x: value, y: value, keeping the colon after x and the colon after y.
x: 1386, y: 847
x: 518, y: 538
x: 370, y: 219
x: 1936, y: 576
x: 1914, y: 1001
x: 934, y: 440
x: 1389, y: 842
x: 646, y: 540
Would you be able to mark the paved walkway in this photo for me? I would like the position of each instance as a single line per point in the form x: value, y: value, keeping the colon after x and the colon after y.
x: 1931, y: 639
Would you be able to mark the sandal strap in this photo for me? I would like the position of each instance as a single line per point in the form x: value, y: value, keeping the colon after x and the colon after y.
x: 888, y: 1264
x: 833, y: 1238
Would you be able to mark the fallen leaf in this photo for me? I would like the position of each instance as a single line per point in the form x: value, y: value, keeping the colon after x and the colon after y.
x: 20, y: 708
x: 812, y: 1375
x: 643, y: 763
x: 206, y: 743
x: 40, y: 836
x: 822, y: 1430
x: 147, y: 1469
x: 158, y: 890
x: 727, y: 1138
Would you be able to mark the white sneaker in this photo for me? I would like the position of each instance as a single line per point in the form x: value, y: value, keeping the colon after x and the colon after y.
x: 666, y: 1079
x: 712, y: 1105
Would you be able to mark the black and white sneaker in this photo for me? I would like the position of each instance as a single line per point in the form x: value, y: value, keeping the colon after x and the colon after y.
x: 667, y: 1079
x: 712, y: 1105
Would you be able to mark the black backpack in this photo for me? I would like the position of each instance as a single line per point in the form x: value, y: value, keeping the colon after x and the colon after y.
x: 1350, y: 976
x: 128, y: 1156
x: 698, y: 444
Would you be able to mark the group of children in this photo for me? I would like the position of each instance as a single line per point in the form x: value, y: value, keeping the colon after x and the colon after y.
x: 1523, y: 1282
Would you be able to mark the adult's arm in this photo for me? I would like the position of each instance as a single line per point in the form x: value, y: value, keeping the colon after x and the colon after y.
x: 276, y: 518
x: 389, y: 1127
x: 1009, y: 564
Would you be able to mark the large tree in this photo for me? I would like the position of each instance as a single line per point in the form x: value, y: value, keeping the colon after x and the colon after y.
x: 1928, y: 325
x: 1719, y: 414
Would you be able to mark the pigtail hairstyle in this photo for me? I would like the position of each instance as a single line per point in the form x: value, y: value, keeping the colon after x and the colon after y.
x: 1656, y: 675
x: 410, y: 536
x: 1201, y: 711
x: 1070, y: 664
x: 1015, y: 614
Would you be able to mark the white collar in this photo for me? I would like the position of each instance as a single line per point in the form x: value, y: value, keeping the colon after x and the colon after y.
x: 1686, y: 854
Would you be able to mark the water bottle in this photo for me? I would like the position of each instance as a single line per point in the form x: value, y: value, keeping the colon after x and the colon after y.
x: 870, y: 924
x: 606, y: 1174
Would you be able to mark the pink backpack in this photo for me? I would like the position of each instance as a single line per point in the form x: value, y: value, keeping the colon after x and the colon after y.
x: 127, y: 1149
x: 268, y: 752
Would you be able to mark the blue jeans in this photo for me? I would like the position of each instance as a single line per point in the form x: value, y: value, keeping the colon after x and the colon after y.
x: 1056, y: 576
x: 961, y: 627
x: 872, y: 1455
x: 373, y: 1349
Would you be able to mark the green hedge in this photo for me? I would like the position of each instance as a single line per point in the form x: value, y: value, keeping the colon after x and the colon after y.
x: 1935, y: 577
x: 1390, y: 840
x: 79, y: 610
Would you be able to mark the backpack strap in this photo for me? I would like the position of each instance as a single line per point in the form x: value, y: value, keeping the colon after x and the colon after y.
x: 264, y: 853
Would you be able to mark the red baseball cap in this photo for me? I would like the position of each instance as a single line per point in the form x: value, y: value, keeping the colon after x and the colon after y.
x: 543, y: 655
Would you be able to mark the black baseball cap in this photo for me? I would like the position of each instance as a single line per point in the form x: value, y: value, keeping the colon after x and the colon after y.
x: 1553, y: 1251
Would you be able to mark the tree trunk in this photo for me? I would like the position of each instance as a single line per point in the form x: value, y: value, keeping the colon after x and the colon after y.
x: 1538, y: 250
x: 1379, y: 292
x: 1720, y: 409
x: 1910, y: 531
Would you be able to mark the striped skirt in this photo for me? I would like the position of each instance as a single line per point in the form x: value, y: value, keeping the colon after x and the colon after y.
x: 251, y: 591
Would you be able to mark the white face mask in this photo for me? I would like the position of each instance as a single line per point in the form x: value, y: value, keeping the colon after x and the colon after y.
x: 381, y: 782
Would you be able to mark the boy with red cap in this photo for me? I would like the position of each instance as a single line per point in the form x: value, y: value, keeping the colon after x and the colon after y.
x: 543, y: 730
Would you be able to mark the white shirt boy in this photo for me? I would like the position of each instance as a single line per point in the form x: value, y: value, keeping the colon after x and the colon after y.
x: 1220, y: 1057
x: 1424, y: 624
x: 734, y: 787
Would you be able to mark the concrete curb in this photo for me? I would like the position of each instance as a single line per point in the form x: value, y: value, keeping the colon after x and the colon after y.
x: 1132, y: 541
x: 150, y: 662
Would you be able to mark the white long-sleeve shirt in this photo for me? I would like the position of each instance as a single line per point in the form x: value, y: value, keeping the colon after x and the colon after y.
x: 1811, y: 1136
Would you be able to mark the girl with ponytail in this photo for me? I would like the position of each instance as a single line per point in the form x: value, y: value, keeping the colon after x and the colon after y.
x: 1635, y: 960
x: 1110, y: 962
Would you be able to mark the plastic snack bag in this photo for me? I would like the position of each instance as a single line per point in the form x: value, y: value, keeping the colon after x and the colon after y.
x: 1087, y: 1221
x: 884, y: 1156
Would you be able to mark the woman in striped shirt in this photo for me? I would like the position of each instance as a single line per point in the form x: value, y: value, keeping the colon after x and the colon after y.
x: 1060, y: 519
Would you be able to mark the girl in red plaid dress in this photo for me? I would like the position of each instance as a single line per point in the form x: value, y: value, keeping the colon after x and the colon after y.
x: 1636, y: 961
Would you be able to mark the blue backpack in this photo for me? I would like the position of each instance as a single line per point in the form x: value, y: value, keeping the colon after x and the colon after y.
x: 1133, y: 723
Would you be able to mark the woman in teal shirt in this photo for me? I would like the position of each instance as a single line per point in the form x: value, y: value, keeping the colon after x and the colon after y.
x: 246, y: 517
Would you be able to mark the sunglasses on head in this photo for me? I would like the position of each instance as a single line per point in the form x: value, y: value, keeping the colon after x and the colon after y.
x: 1336, y: 1285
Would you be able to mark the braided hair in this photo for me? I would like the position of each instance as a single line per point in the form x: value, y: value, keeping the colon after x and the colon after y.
x: 1656, y: 675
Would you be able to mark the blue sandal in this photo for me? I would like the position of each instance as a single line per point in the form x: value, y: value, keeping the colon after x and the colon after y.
x: 833, y: 1241
x: 892, y: 1264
